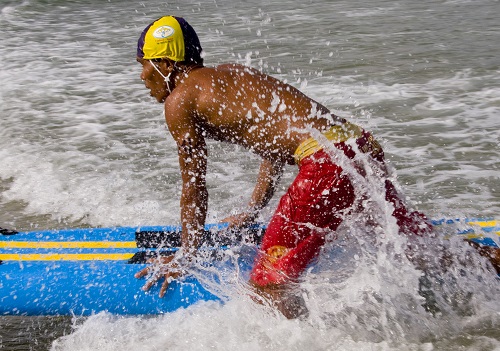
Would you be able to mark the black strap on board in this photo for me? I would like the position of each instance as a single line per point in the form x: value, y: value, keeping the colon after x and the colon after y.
x: 4, y: 231
x: 149, y: 239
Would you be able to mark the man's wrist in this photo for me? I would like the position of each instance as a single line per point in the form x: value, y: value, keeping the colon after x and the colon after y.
x: 185, y: 256
x: 253, y: 212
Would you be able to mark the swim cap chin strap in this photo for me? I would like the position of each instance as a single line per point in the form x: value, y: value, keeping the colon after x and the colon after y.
x: 165, y: 78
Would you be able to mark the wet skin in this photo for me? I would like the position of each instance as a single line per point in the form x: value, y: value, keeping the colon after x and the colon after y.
x: 234, y: 104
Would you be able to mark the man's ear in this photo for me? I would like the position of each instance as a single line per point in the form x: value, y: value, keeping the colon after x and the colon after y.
x: 167, y: 63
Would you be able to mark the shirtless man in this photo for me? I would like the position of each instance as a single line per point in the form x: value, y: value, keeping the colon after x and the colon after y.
x: 240, y: 105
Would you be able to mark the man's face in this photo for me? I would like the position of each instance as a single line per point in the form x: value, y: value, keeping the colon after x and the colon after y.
x: 153, y: 80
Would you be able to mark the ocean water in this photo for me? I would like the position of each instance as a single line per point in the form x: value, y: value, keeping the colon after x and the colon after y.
x: 82, y: 144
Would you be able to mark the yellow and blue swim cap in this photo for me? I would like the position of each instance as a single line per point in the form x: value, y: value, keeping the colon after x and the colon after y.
x: 170, y: 37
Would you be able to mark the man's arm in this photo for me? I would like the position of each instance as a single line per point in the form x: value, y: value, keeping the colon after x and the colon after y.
x: 194, y: 198
x: 269, y: 175
x: 192, y: 150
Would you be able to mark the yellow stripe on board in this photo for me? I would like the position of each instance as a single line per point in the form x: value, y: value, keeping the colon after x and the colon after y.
x: 486, y: 224
x: 68, y: 245
x: 66, y: 257
x: 492, y: 223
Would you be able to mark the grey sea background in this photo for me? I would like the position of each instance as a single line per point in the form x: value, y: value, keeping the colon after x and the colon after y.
x: 83, y: 145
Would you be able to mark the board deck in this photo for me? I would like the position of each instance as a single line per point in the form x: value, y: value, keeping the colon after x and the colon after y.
x: 88, y: 270
x: 85, y: 271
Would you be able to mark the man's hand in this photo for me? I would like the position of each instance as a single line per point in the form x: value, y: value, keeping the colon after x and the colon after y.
x: 239, y: 221
x: 161, y: 267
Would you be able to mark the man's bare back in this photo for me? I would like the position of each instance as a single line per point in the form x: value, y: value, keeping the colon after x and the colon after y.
x: 240, y: 105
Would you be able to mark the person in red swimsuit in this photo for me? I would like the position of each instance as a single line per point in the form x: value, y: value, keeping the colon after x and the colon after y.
x: 318, y: 199
x: 315, y: 204
x: 240, y: 105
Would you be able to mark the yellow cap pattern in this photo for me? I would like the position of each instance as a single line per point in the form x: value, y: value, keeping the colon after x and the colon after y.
x: 164, y: 38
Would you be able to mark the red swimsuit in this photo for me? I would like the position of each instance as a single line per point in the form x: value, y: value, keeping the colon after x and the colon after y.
x: 316, y: 203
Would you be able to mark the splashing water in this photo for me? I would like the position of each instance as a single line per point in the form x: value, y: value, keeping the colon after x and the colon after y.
x: 362, y: 293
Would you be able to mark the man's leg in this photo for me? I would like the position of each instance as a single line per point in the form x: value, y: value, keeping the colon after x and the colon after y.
x: 314, y: 203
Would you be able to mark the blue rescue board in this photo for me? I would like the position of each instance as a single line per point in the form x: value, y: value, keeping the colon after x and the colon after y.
x: 86, y: 271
